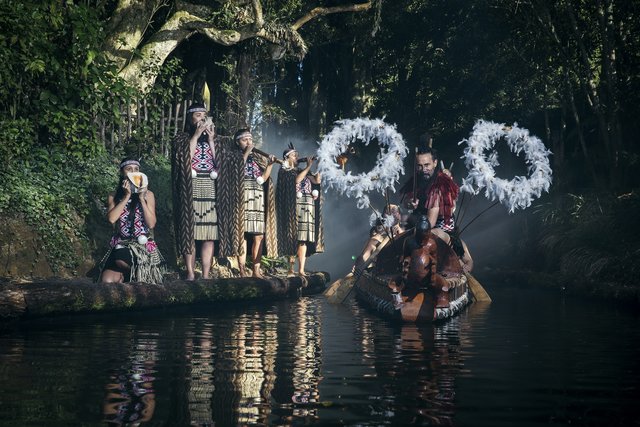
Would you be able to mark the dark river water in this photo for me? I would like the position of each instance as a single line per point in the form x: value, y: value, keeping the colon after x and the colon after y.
x: 531, y: 358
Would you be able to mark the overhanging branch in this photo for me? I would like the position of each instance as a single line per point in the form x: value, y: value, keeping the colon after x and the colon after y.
x: 321, y: 11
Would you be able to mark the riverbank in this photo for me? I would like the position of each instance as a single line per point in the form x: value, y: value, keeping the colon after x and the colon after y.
x: 53, y: 297
x: 617, y: 293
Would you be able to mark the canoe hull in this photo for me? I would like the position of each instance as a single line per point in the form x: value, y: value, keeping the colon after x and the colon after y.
x: 425, y: 306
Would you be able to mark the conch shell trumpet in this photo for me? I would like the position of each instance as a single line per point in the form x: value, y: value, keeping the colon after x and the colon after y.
x: 139, y: 181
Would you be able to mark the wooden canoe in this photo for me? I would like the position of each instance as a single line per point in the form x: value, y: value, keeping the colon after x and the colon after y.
x: 383, y: 288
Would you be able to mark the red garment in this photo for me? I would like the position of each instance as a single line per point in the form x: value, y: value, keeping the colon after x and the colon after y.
x: 203, y: 160
x: 443, y: 193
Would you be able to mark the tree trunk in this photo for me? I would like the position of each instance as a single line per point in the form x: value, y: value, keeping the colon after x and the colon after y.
x: 81, y: 296
x: 606, y: 18
x: 244, y: 68
x: 590, y: 88
x: 583, y: 143
x: 314, y: 95
x: 126, y: 27
x: 143, y: 69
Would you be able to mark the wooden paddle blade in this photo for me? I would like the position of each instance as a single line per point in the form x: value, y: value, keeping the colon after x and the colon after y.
x: 335, y: 285
x: 476, y: 288
x: 340, y: 289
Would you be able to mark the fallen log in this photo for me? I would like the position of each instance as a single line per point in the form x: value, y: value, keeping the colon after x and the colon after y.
x: 56, y: 297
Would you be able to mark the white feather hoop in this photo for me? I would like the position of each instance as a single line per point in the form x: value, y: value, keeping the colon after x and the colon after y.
x: 385, y: 173
x: 519, y: 192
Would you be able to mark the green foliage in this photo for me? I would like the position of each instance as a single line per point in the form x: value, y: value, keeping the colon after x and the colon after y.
x: 54, y: 75
x: 54, y: 196
x: 592, y: 237
x: 158, y: 169
x: 57, y: 91
x: 16, y: 137
x: 274, y: 265
x: 146, y: 135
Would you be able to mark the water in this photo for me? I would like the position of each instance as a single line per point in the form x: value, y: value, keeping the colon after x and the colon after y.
x: 531, y: 358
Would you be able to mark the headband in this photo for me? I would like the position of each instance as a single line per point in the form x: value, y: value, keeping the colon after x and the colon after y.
x: 196, y: 110
x: 244, y: 134
x: 129, y: 162
x: 287, y: 152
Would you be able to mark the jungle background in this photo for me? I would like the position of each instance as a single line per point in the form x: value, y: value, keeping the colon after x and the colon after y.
x: 84, y: 83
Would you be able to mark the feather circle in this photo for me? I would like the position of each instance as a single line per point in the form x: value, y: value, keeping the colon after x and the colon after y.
x: 519, y: 192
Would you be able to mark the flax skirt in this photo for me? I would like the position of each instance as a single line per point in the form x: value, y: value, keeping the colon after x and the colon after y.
x: 253, y: 207
x: 204, y: 208
x: 305, y: 209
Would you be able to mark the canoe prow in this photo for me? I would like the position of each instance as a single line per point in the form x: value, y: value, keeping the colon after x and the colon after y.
x: 413, y: 282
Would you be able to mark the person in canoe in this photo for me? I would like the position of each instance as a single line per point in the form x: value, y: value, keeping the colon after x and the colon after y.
x: 435, y: 197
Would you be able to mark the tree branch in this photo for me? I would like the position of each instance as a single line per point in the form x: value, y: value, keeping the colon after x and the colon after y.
x: 126, y: 28
x: 321, y: 11
x: 257, y: 11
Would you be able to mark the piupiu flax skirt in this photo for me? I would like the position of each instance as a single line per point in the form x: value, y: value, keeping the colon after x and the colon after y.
x: 253, y: 206
x: 305, y: 209
x: 204, y: 208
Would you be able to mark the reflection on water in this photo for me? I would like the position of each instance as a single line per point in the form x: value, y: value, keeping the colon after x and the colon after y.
x: 308, y: 362
x: 130, y: 396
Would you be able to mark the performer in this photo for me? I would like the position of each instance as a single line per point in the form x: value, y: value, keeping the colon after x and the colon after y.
x: 133, y: 254
x: 300, y: 230
x: 436, y: 192
x: 435, y: 197
x: 379, y: 235
x: 247, y: 202
x: 194, y: 172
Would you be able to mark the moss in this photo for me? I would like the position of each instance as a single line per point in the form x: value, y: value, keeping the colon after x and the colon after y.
x: 79, y: 302
x: 187, y: 296
x: 98, y: 304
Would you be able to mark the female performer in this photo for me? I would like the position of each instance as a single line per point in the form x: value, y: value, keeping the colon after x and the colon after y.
x: 246, y: 202
x: 134, y: 255
x: 194, y: 172
x: 299, y: 210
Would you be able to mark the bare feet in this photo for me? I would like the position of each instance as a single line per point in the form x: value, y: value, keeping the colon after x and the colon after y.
x: 190, y: 277
x: 244, y: 272
x: 302, y: 273
x: 257, y: 273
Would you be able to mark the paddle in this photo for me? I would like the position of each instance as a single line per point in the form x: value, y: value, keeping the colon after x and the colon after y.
x: 476, y: 288
x: 341, y: 288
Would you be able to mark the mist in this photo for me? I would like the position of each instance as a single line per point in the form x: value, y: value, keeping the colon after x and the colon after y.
x: 490, y: 237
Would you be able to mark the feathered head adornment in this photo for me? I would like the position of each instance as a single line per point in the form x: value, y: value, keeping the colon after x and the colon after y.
x: 290, y: 149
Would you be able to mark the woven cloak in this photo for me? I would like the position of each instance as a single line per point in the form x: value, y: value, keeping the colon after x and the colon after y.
x: 230, y: 202
x: 288, y: 219
x: 442, y: 191
x: 183, y: 218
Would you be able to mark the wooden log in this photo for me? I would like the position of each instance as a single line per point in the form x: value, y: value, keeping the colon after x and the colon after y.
x: 56, y: 297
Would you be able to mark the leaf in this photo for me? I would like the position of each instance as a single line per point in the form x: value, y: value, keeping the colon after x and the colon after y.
x: 37, y: 66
